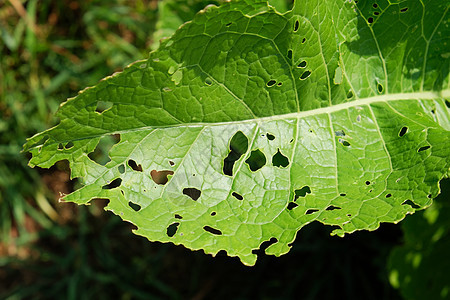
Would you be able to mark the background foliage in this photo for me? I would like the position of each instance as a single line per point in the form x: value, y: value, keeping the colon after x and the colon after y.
x: 48, y: 51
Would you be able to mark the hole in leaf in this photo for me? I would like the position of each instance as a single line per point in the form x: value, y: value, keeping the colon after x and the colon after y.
x: 121, y: 169
x: 134, y: 206
x: 238, y: 146
x: 289, y: 54
x: 213, y: 213
x: 349, y: 94
x: 433, y: 111
x: 212, y: 230
x: 311, y: 211
x: 379, y: 88
x: 344, y: 142
x: 208, y: 81
x: 161, y: 177
x: 292, y: 205
x: 302, y: 64
x: 171, y: 163
x: 332, y: 207
x: 296, y: 25
x: 342, y: 194
x: 279, y: 84
x: 429, y: 196
x: 177, y: 216
x: 256, y: 160
x: 237, y: 196
x: 228, y: 24
x: 304, y: 40
x: 403, y: 10
x: 60, y: 146
x: 68, y: 145
x: 271, y: 83
x: 100, y: 153
x: 403, y: 131
x: 114, y: 184
x: 270, y: 137
x: 291, y: 141
x: 424, y: 148
x: 172, y: 229
x: 193, y: 193
x: 370, y: 20
x: 388, y: 195
x: 410, y: 203
x: 133, y: 165
x: 349, y: 215
x: 305, y: 75
x: 264, y: 246
x: 375, y: 5
x: 279, y: 160
x: 302, y: 192
x: 339, y: 133
x: 376, y: 13
x: 103, y: 106
x: 367, y: 182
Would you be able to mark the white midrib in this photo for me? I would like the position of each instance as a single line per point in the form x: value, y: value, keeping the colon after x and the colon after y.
x: 445, y: 94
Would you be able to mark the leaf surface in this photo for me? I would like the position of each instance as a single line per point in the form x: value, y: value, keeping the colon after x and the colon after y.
x: 249, y: 124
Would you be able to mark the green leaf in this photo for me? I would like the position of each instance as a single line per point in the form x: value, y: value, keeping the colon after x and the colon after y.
x: 249, y: 124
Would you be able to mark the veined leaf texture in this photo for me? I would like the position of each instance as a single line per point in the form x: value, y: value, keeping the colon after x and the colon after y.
x: 248, y: 124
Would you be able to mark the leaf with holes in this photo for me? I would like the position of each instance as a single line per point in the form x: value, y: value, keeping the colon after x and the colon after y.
x: 248, y: 124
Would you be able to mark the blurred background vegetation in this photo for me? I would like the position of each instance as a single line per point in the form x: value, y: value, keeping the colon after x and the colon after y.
x: 49, y: 50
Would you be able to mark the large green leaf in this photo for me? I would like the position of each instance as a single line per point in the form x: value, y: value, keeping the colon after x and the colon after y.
x: 249, y: 124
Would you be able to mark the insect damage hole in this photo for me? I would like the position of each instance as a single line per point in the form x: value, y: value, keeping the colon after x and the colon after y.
x: 256, y: 161
x: 289, y: 54
x: 264, y: 245
x: 133, y: 165
x: 311, y: 211
x: 212, y: 230
x: 103, y: 106
x: 193, y: 193
x: 113, y: 184
x: 410, y: 203
x: 403, y: 131
x: 237, y: 196
x: 423, y: 148
x: 208, y: 81
x: 279, y: 160
x: 404, y: 9
x: 100, y: 154
x: 380, y: 88
x: 271, y: 83
x: 344, y: 142
x: 161, y: 177
x: 302, y: 64
x: 302, y: 192
x: 292, y: 205
x: 305, y: 75
x: 238, y: 146
x: 270, y: 137
x: 339, y: 133
x: 172, y: 229
x: 134, y: 206
x: 296, y: 25
x: 332, y: 207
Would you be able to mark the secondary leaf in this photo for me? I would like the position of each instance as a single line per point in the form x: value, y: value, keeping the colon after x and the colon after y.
x: 257, y: 123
